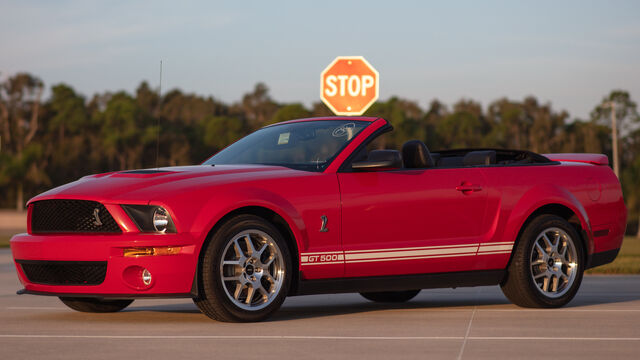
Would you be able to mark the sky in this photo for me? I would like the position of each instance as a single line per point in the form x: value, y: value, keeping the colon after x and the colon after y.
x: 567, y: 53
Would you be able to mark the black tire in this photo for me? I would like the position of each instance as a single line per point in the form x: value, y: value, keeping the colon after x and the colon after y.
x: 214, y: 295
x: 520, y: 286
x: 391, y: 296
x: 93, y: 305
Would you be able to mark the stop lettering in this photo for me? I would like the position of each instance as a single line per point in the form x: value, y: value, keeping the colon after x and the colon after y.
x: 349, y: 85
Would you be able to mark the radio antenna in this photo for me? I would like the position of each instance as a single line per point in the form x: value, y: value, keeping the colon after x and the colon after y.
x: 158, y: 118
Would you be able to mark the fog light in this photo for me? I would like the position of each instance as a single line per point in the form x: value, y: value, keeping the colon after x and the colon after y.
x: 138, y: 278
x: 146, y: 277
x: 160, y: 219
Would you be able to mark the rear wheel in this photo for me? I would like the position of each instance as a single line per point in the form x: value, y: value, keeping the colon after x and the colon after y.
x: 547, y: 266
x: 390, y: 296
x: 245, y: 272
x: 95, y: 305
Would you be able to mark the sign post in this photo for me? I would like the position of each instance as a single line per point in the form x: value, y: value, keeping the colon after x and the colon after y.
x: 349, y: 85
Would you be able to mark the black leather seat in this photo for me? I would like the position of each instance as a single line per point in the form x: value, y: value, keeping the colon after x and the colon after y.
x: 415, y: 155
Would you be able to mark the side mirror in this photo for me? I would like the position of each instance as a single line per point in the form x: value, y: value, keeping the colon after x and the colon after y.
x: 379, y: 159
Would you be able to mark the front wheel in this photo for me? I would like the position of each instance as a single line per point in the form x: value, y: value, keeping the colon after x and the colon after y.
x: 245, y: 271
x: 94, y: 305
x: 547, y: 266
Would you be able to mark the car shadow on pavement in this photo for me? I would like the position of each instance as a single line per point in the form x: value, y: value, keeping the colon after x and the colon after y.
x: 363, y: 306
x: 317, y: 309
x: 319, y: 306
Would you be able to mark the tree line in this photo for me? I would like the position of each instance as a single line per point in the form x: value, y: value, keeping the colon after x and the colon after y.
x: 49, y: 142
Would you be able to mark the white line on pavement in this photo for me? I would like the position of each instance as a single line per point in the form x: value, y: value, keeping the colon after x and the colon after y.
x: 303, y: 337
x: 142, y: 308
x: 35, y: 308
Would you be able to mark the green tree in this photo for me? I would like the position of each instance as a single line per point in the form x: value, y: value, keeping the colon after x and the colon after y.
x: 19, y: 109
x: 630, y: 177
x: 510, y: 124
x: 123, y: 126
x: 436, y: 112
x: 626, y: 111
x: 69, y: 111
x: 546, y: 130
x: 68, y: 137
x: 220, y: 131
x: 464, y: 128
x: 319, y: 109
x: 404, y: 115
x: 289, y: 112
x: 585, y: 137
x: 258, y: 107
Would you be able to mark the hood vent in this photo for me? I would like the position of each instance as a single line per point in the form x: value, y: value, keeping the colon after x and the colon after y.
x: 146, y: 172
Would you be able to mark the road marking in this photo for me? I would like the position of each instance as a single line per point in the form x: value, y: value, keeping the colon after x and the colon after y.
x: 466, y: 335
x: 407, y: 309
x: 310, y: 337
x: 35, y: 308
x: 468, y: 308
x: 561, y: 310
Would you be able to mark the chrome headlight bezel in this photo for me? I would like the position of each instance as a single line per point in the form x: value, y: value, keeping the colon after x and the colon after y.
x: 150, y: 218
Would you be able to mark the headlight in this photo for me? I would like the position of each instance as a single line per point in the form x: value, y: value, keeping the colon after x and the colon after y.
x: 160, y: 219
x: 150, y: 218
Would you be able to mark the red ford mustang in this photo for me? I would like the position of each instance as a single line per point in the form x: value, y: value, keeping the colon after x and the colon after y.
x: 306, y: 207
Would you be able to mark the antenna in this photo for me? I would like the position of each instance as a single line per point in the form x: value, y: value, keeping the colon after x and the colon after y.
x: 158, y: 119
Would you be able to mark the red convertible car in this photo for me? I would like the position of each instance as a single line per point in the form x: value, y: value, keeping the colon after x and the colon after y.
x: 309, y: 206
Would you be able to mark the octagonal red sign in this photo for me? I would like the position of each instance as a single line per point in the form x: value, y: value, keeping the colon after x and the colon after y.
x: 349, y: 85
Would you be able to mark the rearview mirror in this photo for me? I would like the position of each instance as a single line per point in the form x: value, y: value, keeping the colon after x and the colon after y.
x: 379, y: 159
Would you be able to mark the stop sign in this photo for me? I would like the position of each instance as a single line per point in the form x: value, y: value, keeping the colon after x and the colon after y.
x: 349, y: 85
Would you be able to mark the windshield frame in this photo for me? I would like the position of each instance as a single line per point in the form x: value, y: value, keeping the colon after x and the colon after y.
x: 303, y: 167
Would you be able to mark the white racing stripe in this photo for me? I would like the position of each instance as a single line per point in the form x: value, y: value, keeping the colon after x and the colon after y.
x: 404, y: 254
x: 409, y: 258
x: 391, y: 254
x: 495, y: 247
x: 322, y: 253
x: 495, y: 252
x: 411, y: 248
x: 312, y: 337
x: 323, y: 263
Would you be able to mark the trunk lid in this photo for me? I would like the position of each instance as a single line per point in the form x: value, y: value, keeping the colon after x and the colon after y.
x: 595, y: 159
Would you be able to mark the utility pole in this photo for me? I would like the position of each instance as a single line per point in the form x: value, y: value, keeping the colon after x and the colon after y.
x: 614, y: 136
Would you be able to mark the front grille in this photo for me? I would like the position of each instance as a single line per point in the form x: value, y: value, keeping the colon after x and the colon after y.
x: 64, y: 272
x: 63, y: 216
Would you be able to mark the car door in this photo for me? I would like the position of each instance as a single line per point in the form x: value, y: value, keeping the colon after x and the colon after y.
x: 411, y: 221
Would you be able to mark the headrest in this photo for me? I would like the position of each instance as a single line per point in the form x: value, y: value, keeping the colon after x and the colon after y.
x: 481, y: 157
x: 416, y: 155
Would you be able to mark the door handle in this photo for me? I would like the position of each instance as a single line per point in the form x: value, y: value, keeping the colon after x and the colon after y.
x: 467, y: 188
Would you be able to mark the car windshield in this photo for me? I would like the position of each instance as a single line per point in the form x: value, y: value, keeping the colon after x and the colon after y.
x: 305, y: 145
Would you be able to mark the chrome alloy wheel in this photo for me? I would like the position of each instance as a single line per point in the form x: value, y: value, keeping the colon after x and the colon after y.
x: 252, y: 269
x: 554, y: 262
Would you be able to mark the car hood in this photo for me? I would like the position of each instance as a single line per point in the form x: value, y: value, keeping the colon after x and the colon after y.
x: 141, y: 186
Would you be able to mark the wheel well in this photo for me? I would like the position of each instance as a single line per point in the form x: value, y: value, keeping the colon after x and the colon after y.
x: 565, y: 213
x: 275, y: 219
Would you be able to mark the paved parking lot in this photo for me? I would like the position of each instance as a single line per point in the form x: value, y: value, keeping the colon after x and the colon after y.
x: 471, y: 323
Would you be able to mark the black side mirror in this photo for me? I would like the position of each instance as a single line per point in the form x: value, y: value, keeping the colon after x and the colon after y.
x: 380, y: 159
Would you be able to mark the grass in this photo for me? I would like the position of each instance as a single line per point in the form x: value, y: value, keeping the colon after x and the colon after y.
x: 4, y: 241
x: 627, y: 262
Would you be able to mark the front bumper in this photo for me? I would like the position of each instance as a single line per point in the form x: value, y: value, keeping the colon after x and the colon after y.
x: 172, y: 275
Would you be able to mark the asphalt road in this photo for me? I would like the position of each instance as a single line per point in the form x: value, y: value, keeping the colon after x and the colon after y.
x: 603, y: 321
